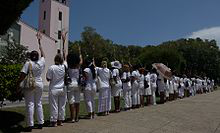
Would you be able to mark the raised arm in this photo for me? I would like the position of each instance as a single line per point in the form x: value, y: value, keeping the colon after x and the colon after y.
x: 64, y: 40
x: 80, y: 56
x: 39, y: 37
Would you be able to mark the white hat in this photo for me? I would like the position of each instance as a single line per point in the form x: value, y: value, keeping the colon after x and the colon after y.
x: 116, y: 64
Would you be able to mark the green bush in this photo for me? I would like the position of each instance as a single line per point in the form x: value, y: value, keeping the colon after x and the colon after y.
x: 8, y: 78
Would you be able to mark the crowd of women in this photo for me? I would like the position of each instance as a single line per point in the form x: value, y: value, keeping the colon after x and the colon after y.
x: 70, y: 77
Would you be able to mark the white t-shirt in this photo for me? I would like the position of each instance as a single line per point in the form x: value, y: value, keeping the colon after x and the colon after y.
x: 74, y: 74
x: 56, y: 75
x: 126, y: 85
x: 103, y: 76
x: 153, y: 80
x: 136, y: 75
x: 90, y: 82
x: 37, y: 68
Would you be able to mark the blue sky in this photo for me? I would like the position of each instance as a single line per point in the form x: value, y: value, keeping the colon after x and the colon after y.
x: 140, y: 22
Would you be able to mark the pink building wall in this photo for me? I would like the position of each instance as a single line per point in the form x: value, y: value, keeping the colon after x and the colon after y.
x: 28, y: 38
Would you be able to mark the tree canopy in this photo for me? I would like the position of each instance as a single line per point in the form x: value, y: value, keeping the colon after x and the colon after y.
x: 186, y: 56
x: 10, y: 11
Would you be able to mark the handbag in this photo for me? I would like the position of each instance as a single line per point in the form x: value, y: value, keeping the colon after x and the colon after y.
x: 29, y: 82
x: 67, y: 79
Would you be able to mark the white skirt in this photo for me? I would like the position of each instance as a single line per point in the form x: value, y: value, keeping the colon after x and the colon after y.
x: 147, y: 91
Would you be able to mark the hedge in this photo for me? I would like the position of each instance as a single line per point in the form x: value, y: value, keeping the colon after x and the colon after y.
x: 8, y: 78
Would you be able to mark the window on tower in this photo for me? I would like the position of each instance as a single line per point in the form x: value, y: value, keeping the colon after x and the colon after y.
x: 60, y: 16
x: 64, y: 1
x: 59, y: 34
x: 44, y: 15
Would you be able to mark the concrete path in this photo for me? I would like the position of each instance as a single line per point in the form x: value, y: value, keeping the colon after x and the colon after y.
x: 199, y: 114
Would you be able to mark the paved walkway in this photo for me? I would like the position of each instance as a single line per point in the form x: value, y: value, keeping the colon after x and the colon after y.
x: 199, y: 114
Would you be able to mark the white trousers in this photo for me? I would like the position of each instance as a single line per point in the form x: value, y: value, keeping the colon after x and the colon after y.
x: 109, y: 105
x: 153, y: 90
x: 181, y: 91
x: 57, y: 102
x: 89, y: 96
x: 33, y: 99
x: 127, y: 98
x: 135, y: 96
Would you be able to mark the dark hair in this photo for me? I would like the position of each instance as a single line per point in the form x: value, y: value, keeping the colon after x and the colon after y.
x: 153, y: 70
x: 58, y: 59
x: 92, y: 68
x: 135, y: 67
x: 73, y: 60
x: 34, y: 56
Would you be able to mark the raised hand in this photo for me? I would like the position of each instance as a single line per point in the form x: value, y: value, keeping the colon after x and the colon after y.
x: 39, y: 36
x: 63, y: 35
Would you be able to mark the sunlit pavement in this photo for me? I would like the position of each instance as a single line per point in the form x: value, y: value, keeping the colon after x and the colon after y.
x: 199, y: 114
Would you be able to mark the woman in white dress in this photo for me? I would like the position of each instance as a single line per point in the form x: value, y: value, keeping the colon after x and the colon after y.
x: 57, y: 92
x: 116, y: 84
x: 141, y: 86
x: 74, y: 61
x: 103, y: 75
x: 147, y: 89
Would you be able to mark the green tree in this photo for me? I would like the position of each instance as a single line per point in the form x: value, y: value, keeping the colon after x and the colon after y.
x: 18, y: 56
x: 10, y: 11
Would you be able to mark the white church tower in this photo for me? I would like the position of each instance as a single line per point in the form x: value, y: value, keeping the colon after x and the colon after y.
x: 54, y: 20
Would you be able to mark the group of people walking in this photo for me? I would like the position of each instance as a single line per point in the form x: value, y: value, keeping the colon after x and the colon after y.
x: 70, y: 77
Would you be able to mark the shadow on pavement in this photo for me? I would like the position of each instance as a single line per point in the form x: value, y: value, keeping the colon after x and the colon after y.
x: 9, y: 122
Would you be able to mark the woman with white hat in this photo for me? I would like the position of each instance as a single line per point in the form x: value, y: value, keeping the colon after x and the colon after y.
x: 116, y: 84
